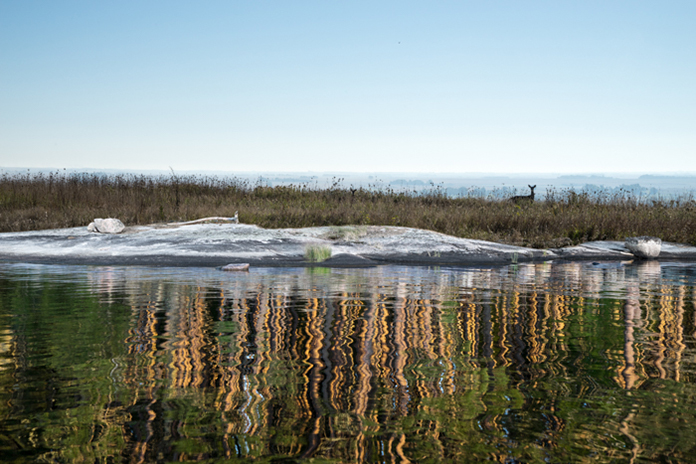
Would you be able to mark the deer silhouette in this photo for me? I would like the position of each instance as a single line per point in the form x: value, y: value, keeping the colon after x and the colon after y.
x: 521, y: 198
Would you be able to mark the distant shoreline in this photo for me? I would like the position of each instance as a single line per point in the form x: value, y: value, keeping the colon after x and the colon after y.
x: 676, y: 182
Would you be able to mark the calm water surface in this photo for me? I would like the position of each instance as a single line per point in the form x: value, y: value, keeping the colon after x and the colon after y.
x: 525, y: 363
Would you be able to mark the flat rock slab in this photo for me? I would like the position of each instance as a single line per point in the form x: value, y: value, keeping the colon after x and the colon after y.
x: 614, y: 250
x: 351, y: 246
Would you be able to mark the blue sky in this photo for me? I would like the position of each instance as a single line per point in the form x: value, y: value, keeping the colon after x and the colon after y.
x: 466, y: 87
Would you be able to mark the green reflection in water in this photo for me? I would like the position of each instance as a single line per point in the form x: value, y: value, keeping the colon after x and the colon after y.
x: 531, y: 363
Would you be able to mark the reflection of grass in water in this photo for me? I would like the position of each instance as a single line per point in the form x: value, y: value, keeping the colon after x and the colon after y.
x: 318, y: 270
x: 460, y: 389
x: 317, y: 253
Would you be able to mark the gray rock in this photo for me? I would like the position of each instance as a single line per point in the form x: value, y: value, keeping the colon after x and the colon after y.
x: 106, y: 226
x: 598, y: 250
x: 348, y: 260
x: 218, y: 244
x: 235, y: 267
x: 644, y: 247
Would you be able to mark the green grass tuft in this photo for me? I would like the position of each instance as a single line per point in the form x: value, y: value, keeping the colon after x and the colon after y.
x: 346, y: 233
x: 317, y: 253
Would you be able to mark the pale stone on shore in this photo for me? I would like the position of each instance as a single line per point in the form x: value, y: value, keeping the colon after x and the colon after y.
x: 644, y: 247
x: 106, y: 226
x: 235, y: 267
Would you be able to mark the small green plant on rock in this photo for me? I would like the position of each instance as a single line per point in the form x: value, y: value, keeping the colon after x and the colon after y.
x: 346, y: 233
x: 317, y: 253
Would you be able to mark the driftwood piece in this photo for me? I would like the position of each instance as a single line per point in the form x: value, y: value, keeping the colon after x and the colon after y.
x: 233, y: 220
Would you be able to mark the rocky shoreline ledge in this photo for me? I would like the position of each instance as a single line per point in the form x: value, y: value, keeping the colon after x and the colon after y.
x: 345, y: 246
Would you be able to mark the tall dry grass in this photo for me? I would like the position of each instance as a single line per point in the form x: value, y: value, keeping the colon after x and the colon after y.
x: 38, y: 201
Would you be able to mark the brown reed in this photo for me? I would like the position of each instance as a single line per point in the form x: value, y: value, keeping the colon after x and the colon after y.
x: 46, y: 201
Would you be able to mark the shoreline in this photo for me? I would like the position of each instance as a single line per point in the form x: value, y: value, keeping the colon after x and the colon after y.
x: 214, y: 245
x: 562, y: 218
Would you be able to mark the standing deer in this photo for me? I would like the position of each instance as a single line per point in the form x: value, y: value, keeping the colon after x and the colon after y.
x: 521, y: 198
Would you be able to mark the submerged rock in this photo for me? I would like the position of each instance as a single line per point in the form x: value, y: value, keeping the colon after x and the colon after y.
x: 106, y: 226
x: 235, y: 267
x: 644, y: 247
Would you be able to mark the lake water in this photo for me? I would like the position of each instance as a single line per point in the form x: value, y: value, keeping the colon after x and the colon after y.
x: 522, y: 363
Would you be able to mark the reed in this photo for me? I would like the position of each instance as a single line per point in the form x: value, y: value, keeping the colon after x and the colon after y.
x: 565, y: 217
x: 317, y: 253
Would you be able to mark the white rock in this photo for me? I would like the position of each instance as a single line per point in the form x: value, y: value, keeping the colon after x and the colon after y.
x: 106, y: 226
x: 644, y: 247
x: 236, y: 267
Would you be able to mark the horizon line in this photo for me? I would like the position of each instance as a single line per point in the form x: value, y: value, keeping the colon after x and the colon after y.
x: 359, y: 173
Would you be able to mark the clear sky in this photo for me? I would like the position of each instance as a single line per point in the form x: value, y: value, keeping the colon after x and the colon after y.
x: 364, y: 86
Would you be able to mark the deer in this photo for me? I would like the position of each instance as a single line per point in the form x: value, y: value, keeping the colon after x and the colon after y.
x: 521, y: 198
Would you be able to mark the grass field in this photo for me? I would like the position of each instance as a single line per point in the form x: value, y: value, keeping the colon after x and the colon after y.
x: 38, y: 201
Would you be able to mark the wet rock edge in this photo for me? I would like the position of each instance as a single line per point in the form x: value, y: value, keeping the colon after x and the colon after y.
x: 214, y: 245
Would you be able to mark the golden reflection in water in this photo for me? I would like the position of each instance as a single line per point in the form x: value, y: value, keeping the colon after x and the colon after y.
x: 345, y: 362
x: 347, y: 347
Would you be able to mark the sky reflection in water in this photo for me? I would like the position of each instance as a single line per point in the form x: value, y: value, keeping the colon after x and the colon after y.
x: 556, y: 362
